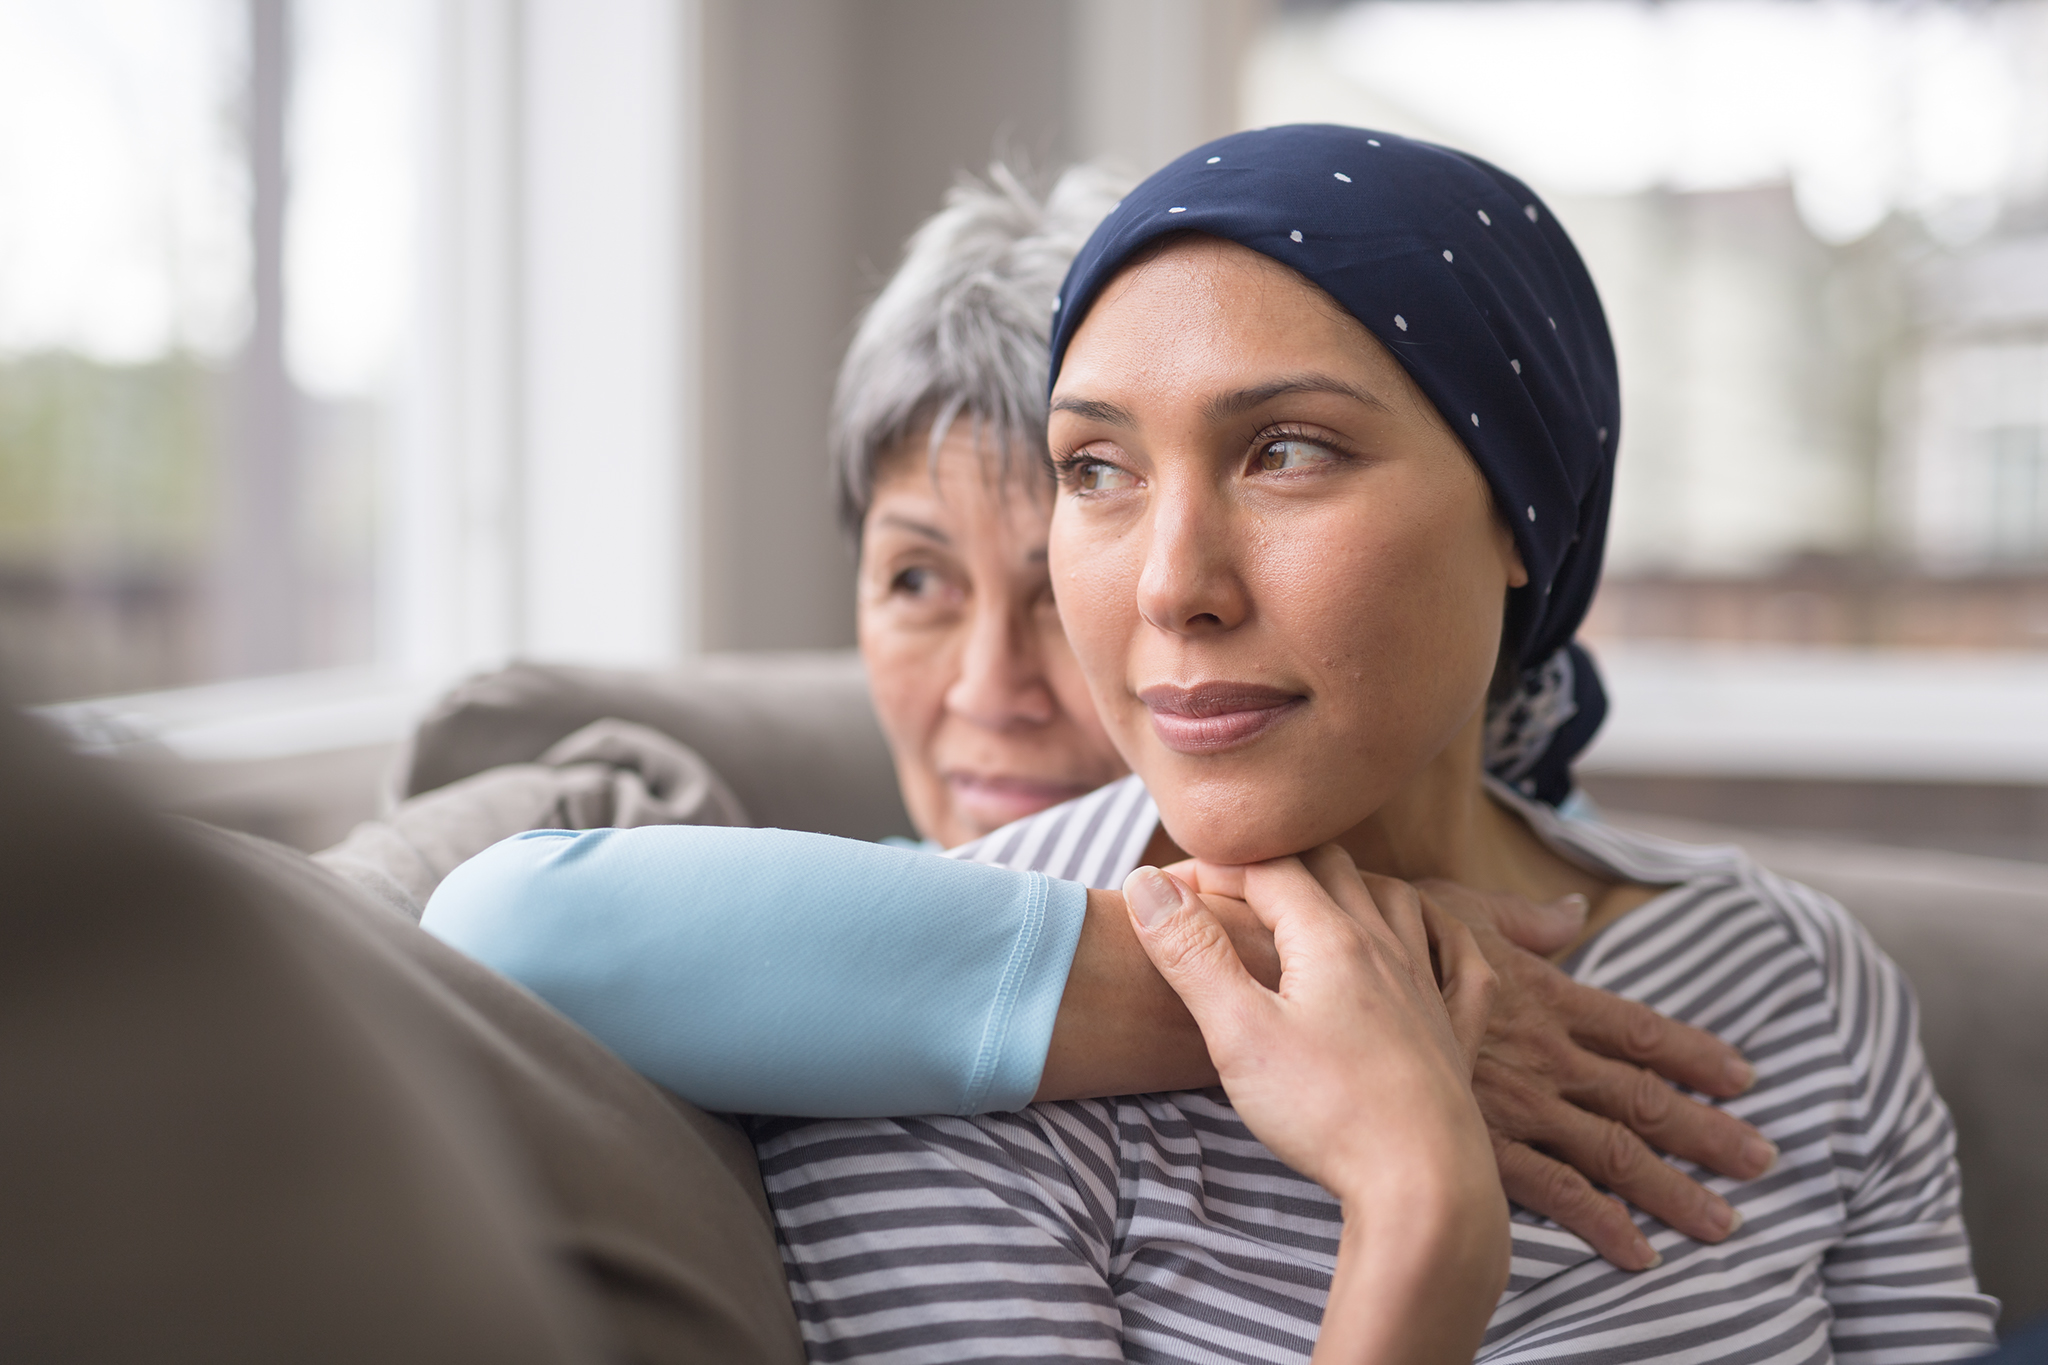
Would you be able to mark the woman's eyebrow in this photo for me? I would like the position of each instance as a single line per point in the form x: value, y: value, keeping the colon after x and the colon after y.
x: 1226, y: 405
x: 916, y: 528
x: 1108, y: 413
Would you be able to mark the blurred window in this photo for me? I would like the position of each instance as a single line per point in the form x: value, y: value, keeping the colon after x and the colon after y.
x: 205, y: 226
x: 2019, y: 529
x: 1821, y: 232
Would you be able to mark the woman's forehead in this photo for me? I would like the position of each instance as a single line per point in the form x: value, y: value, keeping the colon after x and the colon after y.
x: 1202, y: 314
x: 1191, y: 271
x: 966, y: 476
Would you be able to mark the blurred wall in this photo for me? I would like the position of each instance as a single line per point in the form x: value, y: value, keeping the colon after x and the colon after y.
x: 831, y: 128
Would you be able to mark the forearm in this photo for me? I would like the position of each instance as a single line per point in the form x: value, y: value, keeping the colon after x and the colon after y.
x: 770, y: 972
x: 764, y: 971
x: 1415, y: 1285
x: 1121, y: 1030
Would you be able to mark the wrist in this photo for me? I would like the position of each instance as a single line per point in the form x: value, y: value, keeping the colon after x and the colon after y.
x: 1417, y: 1281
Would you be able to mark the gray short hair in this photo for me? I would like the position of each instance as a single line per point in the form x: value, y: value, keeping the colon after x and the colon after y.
x: 964, y: 328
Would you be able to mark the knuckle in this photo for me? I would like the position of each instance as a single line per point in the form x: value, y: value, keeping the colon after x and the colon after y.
x: 1618, y: 1152
x: 1547, y: 1056
x: 1642, y: 1032
x: 1650, y: 1102
x: 1507, y: 1097
x: 1564, y: 1191
x: 1484, y: 982
x: 1185, y: 946
x: 1557, y: 992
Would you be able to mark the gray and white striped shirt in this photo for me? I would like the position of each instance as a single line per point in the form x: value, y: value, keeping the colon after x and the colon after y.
x: 1157, y: 1228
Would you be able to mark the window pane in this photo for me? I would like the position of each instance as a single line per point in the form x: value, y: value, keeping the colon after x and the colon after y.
x: 204, y: 219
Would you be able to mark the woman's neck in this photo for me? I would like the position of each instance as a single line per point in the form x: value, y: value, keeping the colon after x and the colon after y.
x: 1444, y: 824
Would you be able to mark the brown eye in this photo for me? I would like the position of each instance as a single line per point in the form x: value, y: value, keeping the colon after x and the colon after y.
x: 1293, y: 453
x: 1097, y: 476
x: 911, y: 582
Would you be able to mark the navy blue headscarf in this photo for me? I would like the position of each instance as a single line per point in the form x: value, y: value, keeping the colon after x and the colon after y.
x: 1462, y: 273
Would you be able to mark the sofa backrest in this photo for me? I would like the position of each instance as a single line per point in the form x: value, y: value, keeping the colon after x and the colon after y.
x: 792, y: 734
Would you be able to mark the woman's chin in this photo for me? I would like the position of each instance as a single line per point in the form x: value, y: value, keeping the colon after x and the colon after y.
x: 1231, y: 847
x: 1249, y: 823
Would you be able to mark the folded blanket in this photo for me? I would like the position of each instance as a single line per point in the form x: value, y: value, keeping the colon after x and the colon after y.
x: 609, y: 774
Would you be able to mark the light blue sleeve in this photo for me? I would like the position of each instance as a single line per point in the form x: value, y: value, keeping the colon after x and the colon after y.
x: 762, y: 971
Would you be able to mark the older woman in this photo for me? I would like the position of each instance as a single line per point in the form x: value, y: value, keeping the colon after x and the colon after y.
x: 1334, y: 415
x: 938, y: 434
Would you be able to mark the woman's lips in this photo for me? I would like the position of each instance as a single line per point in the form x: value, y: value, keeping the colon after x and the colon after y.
x: 1211, y: 717
x: 997, y: 800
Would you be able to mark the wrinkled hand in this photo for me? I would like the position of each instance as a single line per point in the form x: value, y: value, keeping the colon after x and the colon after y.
x: 1572, y: 1082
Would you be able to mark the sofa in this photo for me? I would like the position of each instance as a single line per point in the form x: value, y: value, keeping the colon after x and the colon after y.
x: 796, y: 741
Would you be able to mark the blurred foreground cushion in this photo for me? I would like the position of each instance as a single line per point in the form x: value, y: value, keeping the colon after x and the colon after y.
x: 255, y: 1116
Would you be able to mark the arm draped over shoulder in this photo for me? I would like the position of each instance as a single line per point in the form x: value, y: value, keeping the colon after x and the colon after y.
x: 770, y: 972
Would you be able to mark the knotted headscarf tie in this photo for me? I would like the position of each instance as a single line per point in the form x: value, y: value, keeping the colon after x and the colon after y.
x: 1461, y: 272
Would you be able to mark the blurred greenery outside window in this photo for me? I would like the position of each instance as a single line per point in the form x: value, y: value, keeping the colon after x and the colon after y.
x: 196, y: 344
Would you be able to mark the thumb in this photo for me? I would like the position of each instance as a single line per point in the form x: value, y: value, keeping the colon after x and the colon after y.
x: 1188, y: 944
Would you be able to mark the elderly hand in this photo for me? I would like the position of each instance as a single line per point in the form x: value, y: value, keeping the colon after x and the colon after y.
x: 1568, y: 1077
x: 1581, y: 1075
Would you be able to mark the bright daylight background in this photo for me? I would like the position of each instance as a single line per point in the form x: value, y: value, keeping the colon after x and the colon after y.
x: 347, y: 345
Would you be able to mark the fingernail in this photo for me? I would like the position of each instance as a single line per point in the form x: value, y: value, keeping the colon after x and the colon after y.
x: 1150, y: 895
x: 1760, y: 1154
x: 1646, y: 1257
x: 1574, y: 903
x: 1741, y: 1075
x: 1725, y: 1219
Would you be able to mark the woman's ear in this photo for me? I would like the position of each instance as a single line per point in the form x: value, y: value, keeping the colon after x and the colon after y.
x: 1510, y: 555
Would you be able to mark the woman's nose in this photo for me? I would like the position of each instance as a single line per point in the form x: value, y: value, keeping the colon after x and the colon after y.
x: 1189, y: 584
x: 1001, y: 683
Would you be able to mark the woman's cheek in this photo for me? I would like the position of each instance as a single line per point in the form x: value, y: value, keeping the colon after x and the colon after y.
x: 1096, y: 611
x: 907, y: 681
x: 1095, y: 574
